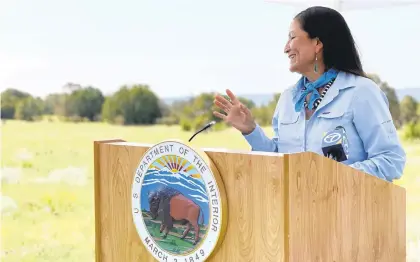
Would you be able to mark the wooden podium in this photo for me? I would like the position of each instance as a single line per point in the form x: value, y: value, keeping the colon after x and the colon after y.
x: 291, y: 208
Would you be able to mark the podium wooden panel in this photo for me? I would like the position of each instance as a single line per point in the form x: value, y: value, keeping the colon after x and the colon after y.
x: 298, y: 207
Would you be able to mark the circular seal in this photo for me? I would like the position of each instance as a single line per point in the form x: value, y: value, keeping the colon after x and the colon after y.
x: 176, y: 204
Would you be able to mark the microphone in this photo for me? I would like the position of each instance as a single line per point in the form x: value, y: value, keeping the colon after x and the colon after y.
x: 202, y: 129
x: 335, y: 144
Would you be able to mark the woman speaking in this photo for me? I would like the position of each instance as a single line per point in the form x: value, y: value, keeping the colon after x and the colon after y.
x: 333, y: 91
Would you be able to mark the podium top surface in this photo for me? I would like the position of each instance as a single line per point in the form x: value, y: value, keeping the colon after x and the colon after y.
x: 205, y: 149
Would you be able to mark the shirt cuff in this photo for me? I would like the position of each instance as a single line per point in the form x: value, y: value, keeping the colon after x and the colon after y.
x: 255, y: 137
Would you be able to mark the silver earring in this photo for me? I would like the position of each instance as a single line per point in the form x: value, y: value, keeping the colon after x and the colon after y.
x: 316, y: 64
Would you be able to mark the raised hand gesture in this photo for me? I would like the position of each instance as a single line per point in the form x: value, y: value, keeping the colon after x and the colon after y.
x: 235, y: 113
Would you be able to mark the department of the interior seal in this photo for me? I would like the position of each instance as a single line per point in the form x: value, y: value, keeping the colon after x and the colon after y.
x: 176, y: 204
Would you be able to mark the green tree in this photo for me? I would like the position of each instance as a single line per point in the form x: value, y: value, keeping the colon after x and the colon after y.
x: 247, y: 102
x: 9, y: 100
x: 411, y: 131
x: 264, y: 114
x: 85, y: 103
x: 132, y: 105
x: 394, y: 104
x: 273, y: 103
x: 110, y: 109
x: 29, y: 108
x: 145, y: 107
x: 408, y: 109
x: 418, y: 110
x: 199, y: 110
x: 55, y: 104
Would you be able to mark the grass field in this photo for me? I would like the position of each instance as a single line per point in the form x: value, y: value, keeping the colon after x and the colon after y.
x: 47, y: 185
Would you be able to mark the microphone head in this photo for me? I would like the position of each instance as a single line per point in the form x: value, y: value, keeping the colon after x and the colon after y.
x: 335, y: 144
x: 202, y: 129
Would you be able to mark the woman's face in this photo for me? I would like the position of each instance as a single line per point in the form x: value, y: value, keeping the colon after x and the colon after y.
x: 300, y: 49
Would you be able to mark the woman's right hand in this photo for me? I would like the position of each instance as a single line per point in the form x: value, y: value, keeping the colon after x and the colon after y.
x: 236, y: 113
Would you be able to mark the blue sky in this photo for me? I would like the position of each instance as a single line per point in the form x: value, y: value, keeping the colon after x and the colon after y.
x: 182, y: 47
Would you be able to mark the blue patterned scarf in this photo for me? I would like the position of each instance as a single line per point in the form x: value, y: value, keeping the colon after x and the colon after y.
x: 305, y: 87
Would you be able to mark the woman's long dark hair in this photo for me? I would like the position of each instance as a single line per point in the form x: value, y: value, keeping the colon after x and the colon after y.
x: 332, y: 30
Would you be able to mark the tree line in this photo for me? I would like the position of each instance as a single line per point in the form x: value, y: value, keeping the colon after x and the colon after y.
x: 139, y: 105
x: 129, y: 105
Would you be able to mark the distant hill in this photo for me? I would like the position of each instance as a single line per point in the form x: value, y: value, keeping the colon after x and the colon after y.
x: 263, y: 99
x: 258, y: 99
x: 414, y: 92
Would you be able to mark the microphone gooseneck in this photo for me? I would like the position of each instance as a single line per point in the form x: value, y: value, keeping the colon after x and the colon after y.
x: 202, y: 129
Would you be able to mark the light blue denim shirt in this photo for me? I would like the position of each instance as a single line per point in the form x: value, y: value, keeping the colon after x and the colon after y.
x: 353, y: 102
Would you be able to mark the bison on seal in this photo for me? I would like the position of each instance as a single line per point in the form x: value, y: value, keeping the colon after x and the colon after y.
x: 169, y: 205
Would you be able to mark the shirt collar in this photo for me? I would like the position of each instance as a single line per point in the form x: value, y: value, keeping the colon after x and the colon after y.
x: 344, y: 80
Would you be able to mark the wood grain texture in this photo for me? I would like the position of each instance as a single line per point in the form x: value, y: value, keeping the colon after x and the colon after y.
x: 97, y: 195
x: 254, y: 186
x: 119, y: 239
x: 299, y: 207
x: 339, y: 214
x: 223, y: 199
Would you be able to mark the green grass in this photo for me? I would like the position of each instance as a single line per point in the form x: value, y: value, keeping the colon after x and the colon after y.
x: 55, y: 221
x: 172, y: 243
